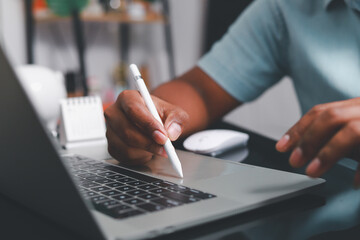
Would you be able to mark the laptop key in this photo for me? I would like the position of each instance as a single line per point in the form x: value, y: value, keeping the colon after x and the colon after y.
x: 116, y: 176
x: 88, y: 184
x: 166, y: 202
x: 111, y: 193
x: 108, y: 204
x: 136, y: 183
x: 178, y: 188
x: 100, y: 189
x: 159, y: 190
x: 83, y: 190
x: 98, y: 199
x: 106, y: 174
x: 86, y: 175
x: 136, y: 192
x: 78, y: 172
x: 180, y: 197
x: 90, y: 194
x: 191, y: 192
x: 97, y: 170
x: 121, y: 197
x: 104, y: 181
x: 147, y: 187
x: 99, y: 165
x: 114, y: 184
x: 150, y: 207
x: 163, y: 184
x: 125, y: 188
x: 134, y: 201
x: 148, y: 196
x: 125, y: 180
x: 95, y: 178
x: 128, y: 214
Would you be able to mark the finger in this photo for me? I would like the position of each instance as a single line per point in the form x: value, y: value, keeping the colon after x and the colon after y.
x: 321, y: 130
x: 292, y: 137
x: 131, y: 103
x: 117, y: 154
x: 341, y: 145
x: 131, y: 135
x: 125, y: 154
x: 357, y: 177
x: 131, y: 138
x: 176, y: 120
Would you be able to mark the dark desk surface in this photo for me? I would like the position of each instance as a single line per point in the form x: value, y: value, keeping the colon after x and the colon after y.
x: 332, y: 212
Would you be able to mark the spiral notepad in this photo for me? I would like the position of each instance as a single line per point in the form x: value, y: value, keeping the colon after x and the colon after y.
x: 82, y: 121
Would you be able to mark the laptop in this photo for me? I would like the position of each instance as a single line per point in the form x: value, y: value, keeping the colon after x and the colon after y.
x: 98, y: 199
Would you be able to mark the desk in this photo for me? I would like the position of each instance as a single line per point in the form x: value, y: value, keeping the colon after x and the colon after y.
x: 330, y: 213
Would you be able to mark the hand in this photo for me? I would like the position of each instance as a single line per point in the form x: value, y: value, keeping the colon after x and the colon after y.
x: 134, y: 135
x: 324, y: 135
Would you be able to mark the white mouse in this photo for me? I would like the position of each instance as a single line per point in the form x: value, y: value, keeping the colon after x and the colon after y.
x: 214, y: 142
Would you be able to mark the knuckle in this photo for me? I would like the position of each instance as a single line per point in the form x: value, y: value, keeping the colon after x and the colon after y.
x: 184, y: 116
x: 127, y: 135
x: 317, y: 109
x: 332, y: 115
x: 151, y: 147
x: 150, y: 124
x: 132, y: 109
x: 325, y: 155
x: 124, y: 95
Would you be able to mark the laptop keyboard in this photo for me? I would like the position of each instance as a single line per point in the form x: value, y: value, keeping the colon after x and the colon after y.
x: 121, y: 193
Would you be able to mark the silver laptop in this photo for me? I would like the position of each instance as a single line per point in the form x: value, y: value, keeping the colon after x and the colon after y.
x: 99, y: 200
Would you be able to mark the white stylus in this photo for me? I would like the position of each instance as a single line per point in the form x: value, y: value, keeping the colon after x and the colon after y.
x: 169, y: 148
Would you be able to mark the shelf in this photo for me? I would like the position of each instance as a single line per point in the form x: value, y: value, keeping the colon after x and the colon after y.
x: 151, y: 17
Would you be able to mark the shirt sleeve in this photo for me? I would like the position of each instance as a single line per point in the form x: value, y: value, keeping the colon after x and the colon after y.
x: 251, y: 55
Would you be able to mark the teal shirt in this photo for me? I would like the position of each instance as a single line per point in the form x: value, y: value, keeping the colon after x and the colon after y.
x: 315, y: 42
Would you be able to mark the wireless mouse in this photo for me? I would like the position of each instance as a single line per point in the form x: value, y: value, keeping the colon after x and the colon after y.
x: 216, y: 141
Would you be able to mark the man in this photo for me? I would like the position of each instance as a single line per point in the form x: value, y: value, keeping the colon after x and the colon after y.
x: 316, y: 43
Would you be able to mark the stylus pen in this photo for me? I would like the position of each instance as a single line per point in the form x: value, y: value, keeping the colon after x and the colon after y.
x: 169, y: 148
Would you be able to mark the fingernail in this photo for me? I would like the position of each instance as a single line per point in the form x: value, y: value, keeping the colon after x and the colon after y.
x: 296, y: 158
x: 159, y: 137
x: 314, y: 167
x: 281, y: 144
x: 174, y: 131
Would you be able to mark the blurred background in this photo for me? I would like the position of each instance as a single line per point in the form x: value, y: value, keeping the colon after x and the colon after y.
x: 92, y: 42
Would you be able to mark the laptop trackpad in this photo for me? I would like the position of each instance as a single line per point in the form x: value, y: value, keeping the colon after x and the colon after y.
x: 252, y: 184
x: 195, y: 167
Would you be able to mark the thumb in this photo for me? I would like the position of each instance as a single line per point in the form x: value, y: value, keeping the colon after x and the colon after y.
x: 176, y: 120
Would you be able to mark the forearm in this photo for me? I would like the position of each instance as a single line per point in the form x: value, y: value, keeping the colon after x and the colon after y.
x: 183, y: 95
x: 196, y: 93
